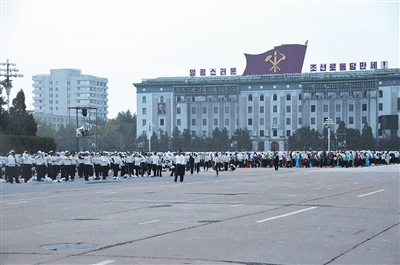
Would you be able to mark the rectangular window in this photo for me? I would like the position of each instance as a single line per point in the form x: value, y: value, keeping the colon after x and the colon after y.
x: 364, y: 107
x: 161, y: 122
x: 275, y: 109
x: 300, y: 121
x: 338, y: 108
x: 261, y: 133
x: 204, y: 122
x: 261, y: 109
x: 288, y: 109
x: 193, y: 110
x: 249, y: 121
x: 337, y: 120
x: 351, y: 107
x: 226, y: 110
x: 178, y: 110
x: 325, y: 108
x: 215, y: 110
x: 398, y: 103
x: 250, y: 110
x: 351, y: 120
x: 287, y: 121
x: 144, y: 122
x: 312, y: 120
x: 204, y: 110
x: 193, y: 122
x: 300, y: 108
x: 364, y: 119
x: 274, y: 121
x: 226, y: 122
x: 312, y: 108
x: 380, y: 106
x: 275, y: 133
x: 215, y: 122
x: 178, y: 122
x: 288, y: 133
x: 261, y: 121
x: 144, y: 111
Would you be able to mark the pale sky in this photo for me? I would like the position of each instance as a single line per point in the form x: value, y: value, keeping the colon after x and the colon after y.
x: 126, y: 41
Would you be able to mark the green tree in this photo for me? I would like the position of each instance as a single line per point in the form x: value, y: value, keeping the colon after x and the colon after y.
x: 216, y: 139
x: 155, y: 146
x: 242, y: 138
x: 164, y: 141
x: 4, y: 116
x: 66, y: 138
x: 118, y: 134
x: 186, y: 140
x: 44, y: 129
x: 21, y: 122
x: 306, y: 138
x: 391, y: 143
x: 176, y: 140
x: 353, y: 139
x: 367, y: 140
x: 341, y: 134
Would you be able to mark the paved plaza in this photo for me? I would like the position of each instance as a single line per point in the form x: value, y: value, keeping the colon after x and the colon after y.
x: 248, y: 216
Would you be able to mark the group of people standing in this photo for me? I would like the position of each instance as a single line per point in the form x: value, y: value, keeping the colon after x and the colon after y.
x: 102, y: 165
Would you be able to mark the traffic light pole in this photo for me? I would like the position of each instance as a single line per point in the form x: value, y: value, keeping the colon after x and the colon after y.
x: 84, y: 113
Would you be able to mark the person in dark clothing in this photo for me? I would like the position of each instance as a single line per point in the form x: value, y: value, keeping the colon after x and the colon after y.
x: 276, y: 161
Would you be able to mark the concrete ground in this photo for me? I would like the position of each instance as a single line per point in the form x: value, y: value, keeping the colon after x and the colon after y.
x: 248, y: 216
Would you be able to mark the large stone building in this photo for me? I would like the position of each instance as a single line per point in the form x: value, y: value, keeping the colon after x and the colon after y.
x: 62, y: 94
x: 270, y: 107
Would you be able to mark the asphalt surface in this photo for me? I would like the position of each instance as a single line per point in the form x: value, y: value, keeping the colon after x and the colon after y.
x: 248, y: 216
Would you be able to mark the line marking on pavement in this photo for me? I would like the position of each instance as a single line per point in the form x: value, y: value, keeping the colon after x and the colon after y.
x: 292, y: 195
x: 284, y: 215
x: 237, y: 205
x: 363, y: 195
x: 104, y: 262
x: 149, y: 222
x: 355, y: 183
x: 16, y: 202
x: 110, y: 192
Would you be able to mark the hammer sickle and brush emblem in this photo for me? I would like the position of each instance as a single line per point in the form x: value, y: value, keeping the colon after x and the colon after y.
x: 275, y: 62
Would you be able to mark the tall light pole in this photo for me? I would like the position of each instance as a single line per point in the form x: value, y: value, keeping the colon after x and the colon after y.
x: 328, y: 122
x: 150, y: 125
x: 9, y: 72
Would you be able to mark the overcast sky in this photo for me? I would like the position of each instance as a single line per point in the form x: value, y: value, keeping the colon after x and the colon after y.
x: 125, y: 41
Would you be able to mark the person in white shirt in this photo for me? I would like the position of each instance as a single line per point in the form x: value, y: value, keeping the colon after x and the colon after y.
x: 88, y: 165
x: 40, y: 166
x: 129, y: 160
x: 136, y: 166
x: 104, y: 164
x: 154, y: 163
x: 180, y: 166
x: 217, y: 163
x: 12, y: 167
x: 26, y: 166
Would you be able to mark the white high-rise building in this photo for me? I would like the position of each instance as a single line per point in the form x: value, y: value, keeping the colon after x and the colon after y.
x: 63, y: 93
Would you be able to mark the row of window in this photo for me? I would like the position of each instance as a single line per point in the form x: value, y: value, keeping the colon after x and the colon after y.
x: 261, y: 121
x: 261, y: 97
x: 275, y: 109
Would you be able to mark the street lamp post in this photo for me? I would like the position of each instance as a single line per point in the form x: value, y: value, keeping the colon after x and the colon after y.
x: 328, y: 122
x: 150, y: 125
x: 9, y: 72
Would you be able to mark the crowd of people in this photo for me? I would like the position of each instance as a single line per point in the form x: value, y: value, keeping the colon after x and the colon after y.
x: 65, y: 166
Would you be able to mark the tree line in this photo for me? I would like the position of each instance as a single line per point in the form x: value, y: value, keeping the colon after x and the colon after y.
x: 18, y: 128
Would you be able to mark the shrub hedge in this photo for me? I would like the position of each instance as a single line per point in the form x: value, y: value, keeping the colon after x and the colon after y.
x: 20, y: 143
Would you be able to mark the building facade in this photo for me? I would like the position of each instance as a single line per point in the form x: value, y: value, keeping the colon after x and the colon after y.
x: 59, y: 96
x: 271, y: 107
